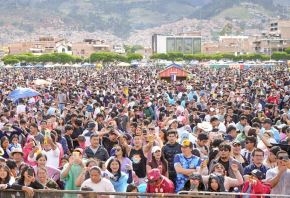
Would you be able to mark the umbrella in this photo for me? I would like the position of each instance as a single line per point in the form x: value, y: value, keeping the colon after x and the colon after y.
x: 41, y: 82
x: 22, y: 93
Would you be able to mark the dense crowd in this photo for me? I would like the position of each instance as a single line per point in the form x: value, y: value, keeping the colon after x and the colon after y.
x: 126, y: 130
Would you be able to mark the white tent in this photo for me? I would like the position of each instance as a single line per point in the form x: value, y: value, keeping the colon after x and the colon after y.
x: 123, y: 64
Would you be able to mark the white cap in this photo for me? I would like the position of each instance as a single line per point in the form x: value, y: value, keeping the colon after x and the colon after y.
x: 155, y: 148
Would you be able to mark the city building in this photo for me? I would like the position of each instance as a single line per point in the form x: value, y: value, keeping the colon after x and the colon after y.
x: 88, y: 46
x: 276, y: 39
x: 229, y: 44
x: 42, y: 45
x: 170, y: 43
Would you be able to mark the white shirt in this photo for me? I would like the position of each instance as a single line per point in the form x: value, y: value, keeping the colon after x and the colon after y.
x: 20, y: 109
x: 52, y: 157
x: 103, y: 186
x: 283, y: 186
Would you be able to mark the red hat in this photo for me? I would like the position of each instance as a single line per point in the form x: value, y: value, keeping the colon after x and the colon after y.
x: 154, y: 174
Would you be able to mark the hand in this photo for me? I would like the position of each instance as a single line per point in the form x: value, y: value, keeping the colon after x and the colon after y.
x: 129, y: 167
x: 235, y: 167
x: 253, y: 181
x: 29, y: 191
x: 71, y: 160
x: 3, y: 186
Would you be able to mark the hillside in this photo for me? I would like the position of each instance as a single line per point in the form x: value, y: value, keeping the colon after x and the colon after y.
x: 120, y: 17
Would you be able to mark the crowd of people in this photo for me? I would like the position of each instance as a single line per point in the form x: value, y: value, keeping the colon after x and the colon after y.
x: 126, y: 130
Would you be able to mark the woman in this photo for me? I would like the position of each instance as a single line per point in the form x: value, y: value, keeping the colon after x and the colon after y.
x: 85, y: 173
x: 29, y: 149
x: 5, y: 146
x: 6, y: 181
x: 120, y: 180
x: 215, y: 183
x: 219, y: 169
x: 271, y: 160
x: 194, y: 183
x: 44, y: 179
x: 236, y: 153
x: 41, y: 160
x: 5, y: 175
x: 27, y: 178
x: 158, y: 161
x: 163, y: 136
x: 120, y: 153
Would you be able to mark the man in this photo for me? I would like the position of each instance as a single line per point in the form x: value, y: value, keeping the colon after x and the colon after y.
x: 91, y: 130
x: 226, y: 160
x: 231, y: 133
x: 258, y: 158
x: 95, y: 150
x: 169, y: 150
x: 72, y: 170
x: 267, y: 126
x: 185, y: 164
x: 35, y: 133
x: 111, y: 140
x: 158, y: 183
x: 61, y: 99
x: 242, y: 124
x: 279, y: 177
x: 97, y: 183
x: 216, y: 124
x: 138, y: 157
x: 17, y: 155
x: 250, y: 145
x: 201, y: 145
x: 68, y: 131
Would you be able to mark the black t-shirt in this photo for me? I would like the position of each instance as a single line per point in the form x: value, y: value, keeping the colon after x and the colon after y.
x: 108, y: 144
x: 226, y: 165
x: 70, y: 143
x: 139, y: 162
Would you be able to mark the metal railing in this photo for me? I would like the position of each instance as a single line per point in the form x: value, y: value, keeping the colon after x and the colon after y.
x: 90, y: 194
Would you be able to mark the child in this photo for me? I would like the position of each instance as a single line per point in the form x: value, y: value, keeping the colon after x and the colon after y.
x: 14, y: 143
x: 81, y: 141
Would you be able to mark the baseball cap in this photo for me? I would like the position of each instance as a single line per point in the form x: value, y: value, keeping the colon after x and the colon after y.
x: 187, y: 143
x: 155, y: 148
x: 257, y: 173
x: 153, y: 175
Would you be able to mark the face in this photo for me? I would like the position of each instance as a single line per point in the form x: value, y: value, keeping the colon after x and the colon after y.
x: 95, y: 141
x: 237, y: 149
x: 214, y: 184
x: 5, y: 144
x: 186, y: 150
x: 157, y: 154
x: 249, y: 145
x: 29, y: 178
x: 95, y: 176
x: 171, y: 138
x: 272, y: 157
x: 283, y: 159
x: 137, y: 141
x: 15, y: 140
x: 224, y: 153
x: 32, y: 129
x: 115, y: 166
x: 243, y: 122
x: 194, y: 182
x: 174, y: 125
x: 258, y: 158
x: 118, y: 151
x: 41, y: 161
x: 219, y: 169
x: 42, y: 175
x: 3, y: 173
x: 202, y: 142
x: 17, y: 157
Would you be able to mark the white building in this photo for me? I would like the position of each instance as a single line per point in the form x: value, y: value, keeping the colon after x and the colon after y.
x: 170, y: 43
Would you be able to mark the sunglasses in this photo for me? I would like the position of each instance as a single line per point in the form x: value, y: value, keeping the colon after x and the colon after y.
x: 283, y: 158
x: 249, y: 142
x: 151, y: 129
x: 118, y: 149
x: 236, y: 145
x: 223, y: 149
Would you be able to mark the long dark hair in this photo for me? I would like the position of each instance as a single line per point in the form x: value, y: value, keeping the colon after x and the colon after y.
x: 118, y: 175
x: 220, y: 180
x: 200, y: 187
x: 26, y: 168
x: 163, y: 161
x: 7, y: 179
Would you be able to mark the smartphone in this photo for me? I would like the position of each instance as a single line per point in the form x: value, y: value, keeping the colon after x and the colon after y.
x: 76, y: 155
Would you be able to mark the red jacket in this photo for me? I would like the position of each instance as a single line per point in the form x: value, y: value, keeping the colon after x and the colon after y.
x: 165, y: 186
x: 258, y: 188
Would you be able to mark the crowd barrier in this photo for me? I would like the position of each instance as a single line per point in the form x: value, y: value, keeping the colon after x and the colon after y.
x: 88, y: 194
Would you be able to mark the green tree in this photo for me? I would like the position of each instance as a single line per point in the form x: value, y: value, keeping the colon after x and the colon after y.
x: 160, y: 56
x: 134, y: 56
x: 280, y: 56
x: 287, y: 50
x: 11, y: 61
x: 173, y: 56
